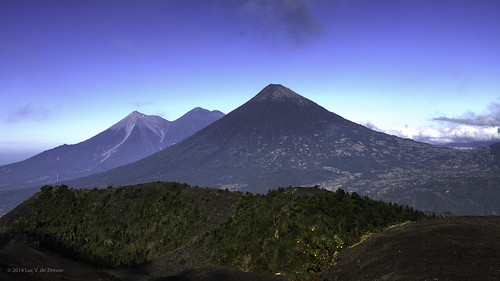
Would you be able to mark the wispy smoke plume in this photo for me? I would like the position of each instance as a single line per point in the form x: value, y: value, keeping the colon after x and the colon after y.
x: 28, y: 112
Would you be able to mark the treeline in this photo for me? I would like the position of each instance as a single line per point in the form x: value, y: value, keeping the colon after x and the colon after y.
x: 118, y: 226
x: 296, y: 230
x: 290, y: 230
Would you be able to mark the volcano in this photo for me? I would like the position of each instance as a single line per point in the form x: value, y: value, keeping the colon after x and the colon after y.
x: 132, y: 138
x: 280, y: 138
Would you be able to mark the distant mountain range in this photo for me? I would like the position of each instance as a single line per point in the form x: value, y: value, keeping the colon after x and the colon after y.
x: 279, y: 138
x: 134, y: 137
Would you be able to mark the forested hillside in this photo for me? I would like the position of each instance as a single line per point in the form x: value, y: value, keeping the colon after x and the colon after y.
x: 119, y: 226
x: 299, y: 230
x: 289, y: 230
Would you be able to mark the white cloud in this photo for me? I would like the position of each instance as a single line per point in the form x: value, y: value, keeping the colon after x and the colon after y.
x: 468, y: 129
x: 445, y: 135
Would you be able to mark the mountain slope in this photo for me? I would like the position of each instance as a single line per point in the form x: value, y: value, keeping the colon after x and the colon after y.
x: 170, y: 227
x: 457, y: 248
x: 183, y: 232
x: 106, y: 150
x: 132, y: 138
x: 189, y: 123
x: 279, y: 138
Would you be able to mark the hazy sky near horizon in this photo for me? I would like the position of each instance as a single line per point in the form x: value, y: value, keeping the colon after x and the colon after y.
x: 424, y: 69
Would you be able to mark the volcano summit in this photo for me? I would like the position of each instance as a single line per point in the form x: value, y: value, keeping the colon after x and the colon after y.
x: 280, y: 138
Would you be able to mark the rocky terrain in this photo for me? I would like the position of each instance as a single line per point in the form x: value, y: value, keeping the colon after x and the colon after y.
x: 279, y: 138
x: 132, y: 138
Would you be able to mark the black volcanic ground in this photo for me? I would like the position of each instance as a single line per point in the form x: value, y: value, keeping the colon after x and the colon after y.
x: 456, y: 248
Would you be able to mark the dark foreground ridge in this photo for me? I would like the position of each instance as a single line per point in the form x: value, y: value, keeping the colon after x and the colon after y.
x: 456, y: 248
x: 171, y: 231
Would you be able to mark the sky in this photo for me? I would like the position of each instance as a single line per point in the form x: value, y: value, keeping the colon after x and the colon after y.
x: 422, y: 69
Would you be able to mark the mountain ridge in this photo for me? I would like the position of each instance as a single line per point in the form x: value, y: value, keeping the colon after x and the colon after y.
x: 152, y: 122
x: 132, y: 138
x: 290, y: 230
x: 164, y: 223
x: 279, y: 138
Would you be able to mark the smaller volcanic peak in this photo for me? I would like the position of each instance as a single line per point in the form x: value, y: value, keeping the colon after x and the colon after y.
x: 133, y: 117
x: 201, y: 114
x: 279, y: 138
x: 189, y: 123
x: 152, y: 122
x: 280, y: 93
x: 132, y: 138
x: 136, y: 114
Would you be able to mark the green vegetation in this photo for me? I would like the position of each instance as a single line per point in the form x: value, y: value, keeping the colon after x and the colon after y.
x: 119, y: 226
x: 292, y: 230
x: 300, y: 230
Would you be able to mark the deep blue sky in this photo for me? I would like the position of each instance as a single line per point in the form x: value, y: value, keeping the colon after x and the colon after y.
x: 426, y: 69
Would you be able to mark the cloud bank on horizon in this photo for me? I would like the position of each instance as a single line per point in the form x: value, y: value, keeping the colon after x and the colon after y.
x: 492, y: 119
x: 470, y: 129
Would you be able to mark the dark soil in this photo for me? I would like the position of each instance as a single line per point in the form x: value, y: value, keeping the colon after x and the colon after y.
x: 21, y: 261
x: 220, y: 274
x: 457, y: 248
